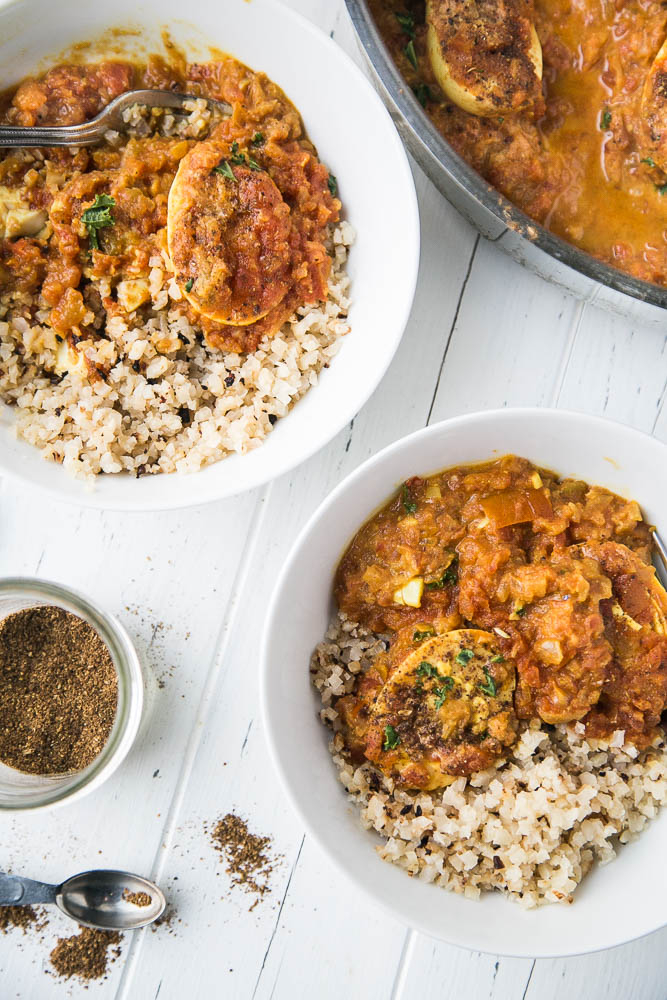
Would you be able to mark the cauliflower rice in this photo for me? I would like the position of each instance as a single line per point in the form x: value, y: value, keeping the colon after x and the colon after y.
x: 170, y: 403
x: 531, y: 827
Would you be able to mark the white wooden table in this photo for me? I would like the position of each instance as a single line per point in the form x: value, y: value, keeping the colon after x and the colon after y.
x: 191, y: 587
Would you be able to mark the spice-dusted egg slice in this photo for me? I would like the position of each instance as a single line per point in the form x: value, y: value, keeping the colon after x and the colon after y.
x: 445, y: 711
x: 639, y: 597
x: 485, y: 54
x: 636, y: 627
x: 229, y: 233
x: 654, y: 111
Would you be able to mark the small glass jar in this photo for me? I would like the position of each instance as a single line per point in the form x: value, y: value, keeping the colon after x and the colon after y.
x: 34, y: 791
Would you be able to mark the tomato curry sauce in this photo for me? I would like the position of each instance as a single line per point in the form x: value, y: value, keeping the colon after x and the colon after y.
x: 579, y: 160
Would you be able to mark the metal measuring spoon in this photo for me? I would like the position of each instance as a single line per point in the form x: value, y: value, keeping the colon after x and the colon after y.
x: 101, y: 898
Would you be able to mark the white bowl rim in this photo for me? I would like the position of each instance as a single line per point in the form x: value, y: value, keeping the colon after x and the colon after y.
x: 350, y: 405
x: 270, y: 724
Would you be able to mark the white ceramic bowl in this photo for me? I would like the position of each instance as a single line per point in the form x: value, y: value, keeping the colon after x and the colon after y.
x: 354, y: 136
x: 616, y: 903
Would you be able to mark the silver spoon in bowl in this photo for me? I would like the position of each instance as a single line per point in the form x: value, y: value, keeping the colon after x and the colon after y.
x: 660, y: 558
x: 105, y: 899
x: 110, y: 118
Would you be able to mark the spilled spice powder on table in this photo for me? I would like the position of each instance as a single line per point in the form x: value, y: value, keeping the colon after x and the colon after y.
x: 58, y: 691
x: 248, y: 862
x: 25, y: 917
x: 85, y: 954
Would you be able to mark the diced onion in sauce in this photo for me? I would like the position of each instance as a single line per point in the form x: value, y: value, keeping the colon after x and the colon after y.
x: 410, y: 594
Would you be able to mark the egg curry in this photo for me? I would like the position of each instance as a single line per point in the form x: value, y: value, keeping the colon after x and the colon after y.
x: 562, y: 107
x: 504, y: 594
x: 241, y: 213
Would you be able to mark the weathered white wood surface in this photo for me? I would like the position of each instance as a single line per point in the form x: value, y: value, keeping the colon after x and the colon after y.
x: 192, y: 586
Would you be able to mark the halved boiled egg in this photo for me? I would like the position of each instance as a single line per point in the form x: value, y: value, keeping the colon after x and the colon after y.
x: 485, y: 54
x: 654, y: 111
x: 229, y: 232
x: 445, y: 711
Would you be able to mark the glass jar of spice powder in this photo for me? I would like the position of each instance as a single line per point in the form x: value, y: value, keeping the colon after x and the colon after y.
x: 29, y: 789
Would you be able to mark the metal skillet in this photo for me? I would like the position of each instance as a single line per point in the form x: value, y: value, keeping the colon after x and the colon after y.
x: 109, y: 119
x: 493, y: 215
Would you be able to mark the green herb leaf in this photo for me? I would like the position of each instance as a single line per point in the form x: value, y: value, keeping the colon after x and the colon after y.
x: 464, y: 656
x: 426, y: 669
x: 489, y: 686
x: 501, y: 120
x: 442, y: 692
x: 521, y: 611
x: 648, y: 160
x: 407, y: 23
x: 257, y: 139
x: 224, y: 168
x: 253, y: 164
x: 498, y: 658
x: 188, y: 284
x: 420, y: 636
x: 391, y: 738
x: 605, y: 119
x: 423, y: 93
x: 332, y: 184
x: 408, y: 503
x: 661, y: 188
x: 238, y: 159
x: 98, y: 216
x: 411, y: 55
x: 450, y: 576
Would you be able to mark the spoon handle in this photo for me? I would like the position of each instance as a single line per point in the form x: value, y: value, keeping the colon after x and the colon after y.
x: 17, y: 891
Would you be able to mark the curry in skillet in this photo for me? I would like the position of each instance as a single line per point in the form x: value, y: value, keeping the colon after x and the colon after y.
x: 562, y: 107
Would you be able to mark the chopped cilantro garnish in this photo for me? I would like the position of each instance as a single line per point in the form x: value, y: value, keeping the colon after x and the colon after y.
x: 648, y: 160
x: 188, y: 284
x: 605, y: 119
x: 464, y: 656
x: 423, y: 93
x: 498, y: 658
x: 450, y: 576
x: 420, y: 636
x: 391, y: 738
x: 489, y: 686
x: 410, y: 53
x: 661, y: 188
x: 224, y: 168
x: 407, y: 23
x: 257, y: 139
x: 332, y: 184
x: 409, y: 505
x: 239, y: 160
x: 426, y: 669
x: 442, y: 692
x: 521, y: 611
x: 98, y: 216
